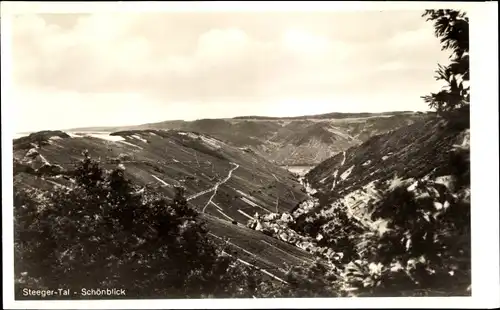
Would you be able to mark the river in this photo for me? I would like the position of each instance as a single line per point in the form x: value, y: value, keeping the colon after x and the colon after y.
x: 300, y: 170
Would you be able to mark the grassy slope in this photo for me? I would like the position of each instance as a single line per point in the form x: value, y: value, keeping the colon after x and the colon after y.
x: 197, y: 163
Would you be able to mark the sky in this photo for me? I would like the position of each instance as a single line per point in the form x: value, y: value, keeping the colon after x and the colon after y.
x: 76, y: 70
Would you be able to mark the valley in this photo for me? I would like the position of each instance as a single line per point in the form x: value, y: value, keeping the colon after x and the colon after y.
x: 271, y: 216
x: 180, y: 187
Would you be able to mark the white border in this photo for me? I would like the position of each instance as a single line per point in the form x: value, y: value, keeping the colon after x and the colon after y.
x: 484, y: 155
x: 220, y: 6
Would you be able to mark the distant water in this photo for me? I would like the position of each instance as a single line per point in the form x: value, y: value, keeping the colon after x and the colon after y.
x: 300, y: 170
x: 97, y: 134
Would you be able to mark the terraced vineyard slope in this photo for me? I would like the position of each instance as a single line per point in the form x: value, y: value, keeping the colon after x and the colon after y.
x: 226, y: 184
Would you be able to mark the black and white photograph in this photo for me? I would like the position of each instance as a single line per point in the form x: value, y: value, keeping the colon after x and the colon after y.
x: 231, y: 154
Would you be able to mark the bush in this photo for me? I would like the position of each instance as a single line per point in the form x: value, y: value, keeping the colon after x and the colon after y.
x: 102, y: 233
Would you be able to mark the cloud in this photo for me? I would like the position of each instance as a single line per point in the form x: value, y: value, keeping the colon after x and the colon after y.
x: 413, y: 38
x: 170, y: 59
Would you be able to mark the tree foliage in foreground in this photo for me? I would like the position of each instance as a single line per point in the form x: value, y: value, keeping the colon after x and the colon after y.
x: 424, y: 250
x: 452, y: 29
x: 102, y: 233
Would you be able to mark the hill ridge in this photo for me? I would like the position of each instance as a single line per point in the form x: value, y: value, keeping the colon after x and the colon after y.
x: 221, y: 181
x: 287, y: 141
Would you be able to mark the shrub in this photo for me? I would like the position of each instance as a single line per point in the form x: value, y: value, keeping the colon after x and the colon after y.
x: 102, y: 233
x: 426, y: 250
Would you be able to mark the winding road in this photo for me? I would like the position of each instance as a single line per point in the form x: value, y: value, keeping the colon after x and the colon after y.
x: 215, y: 187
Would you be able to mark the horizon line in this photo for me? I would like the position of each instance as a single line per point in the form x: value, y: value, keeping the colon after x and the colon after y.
x: 241, y: 117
